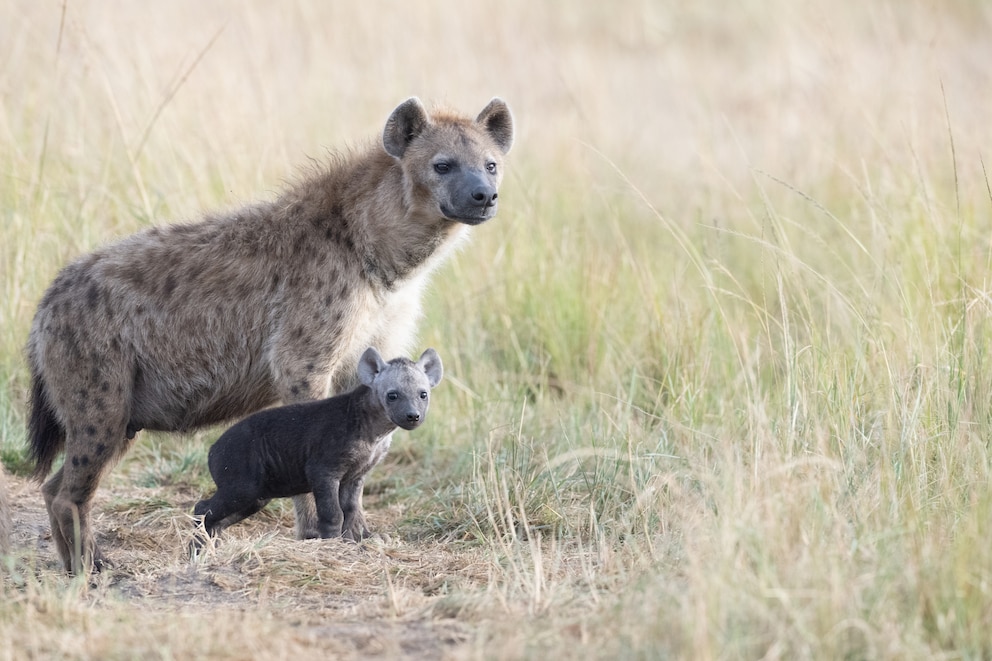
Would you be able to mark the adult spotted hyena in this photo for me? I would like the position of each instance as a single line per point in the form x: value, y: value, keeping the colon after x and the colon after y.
x: 187, y: 325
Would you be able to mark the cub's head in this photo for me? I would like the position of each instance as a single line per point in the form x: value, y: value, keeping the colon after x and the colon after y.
x: 452, y: 165
x: 402, y: 387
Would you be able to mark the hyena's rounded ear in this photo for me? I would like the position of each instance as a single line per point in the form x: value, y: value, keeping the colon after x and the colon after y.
x: 430, y: 362
x: 369, y: 365
x: 497, y: 119
x: 406, y: 122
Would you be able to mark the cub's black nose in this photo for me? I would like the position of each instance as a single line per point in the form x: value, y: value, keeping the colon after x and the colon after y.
x: 413, y: 416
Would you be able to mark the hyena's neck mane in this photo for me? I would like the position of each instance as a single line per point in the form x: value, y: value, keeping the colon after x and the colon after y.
x: 360, y: 202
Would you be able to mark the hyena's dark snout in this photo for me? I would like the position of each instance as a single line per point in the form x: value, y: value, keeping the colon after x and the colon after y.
x: 485, y: 195
x: 473, y: 200
x: 481, y: 191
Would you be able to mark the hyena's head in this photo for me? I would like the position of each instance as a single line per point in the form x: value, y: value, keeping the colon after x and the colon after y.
x: 401, y: 387
x: 452, y: 165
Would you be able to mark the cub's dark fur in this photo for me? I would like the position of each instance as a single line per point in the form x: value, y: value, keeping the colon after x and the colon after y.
x: 325, y: 447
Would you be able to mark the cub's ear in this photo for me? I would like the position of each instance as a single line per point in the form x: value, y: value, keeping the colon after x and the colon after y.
x: 430, y: 362
x: 369, y: 365
x: 498, y: 122
x: 406, y: 122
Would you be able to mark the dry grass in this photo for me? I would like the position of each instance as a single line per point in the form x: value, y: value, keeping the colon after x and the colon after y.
x: 719, y: 372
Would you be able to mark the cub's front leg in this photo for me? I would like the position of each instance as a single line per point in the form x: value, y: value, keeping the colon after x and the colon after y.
x: 355, y: 527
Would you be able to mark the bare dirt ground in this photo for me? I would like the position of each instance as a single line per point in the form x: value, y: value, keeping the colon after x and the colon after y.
x: 383, y: 598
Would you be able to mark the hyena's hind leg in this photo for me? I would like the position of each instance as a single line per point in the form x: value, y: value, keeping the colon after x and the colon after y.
x: 68, y: 497
x: 63, y: 545
x: 94, y: 406
x: 218, y: 513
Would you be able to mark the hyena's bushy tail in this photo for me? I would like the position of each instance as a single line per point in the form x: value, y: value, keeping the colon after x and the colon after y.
x: 46, y: 435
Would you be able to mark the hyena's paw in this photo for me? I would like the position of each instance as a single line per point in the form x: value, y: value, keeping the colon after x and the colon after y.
x: 356, y: 530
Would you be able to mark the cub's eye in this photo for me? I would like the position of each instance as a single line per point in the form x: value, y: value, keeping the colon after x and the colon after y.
x: 392, y: 396
x: 491, y: 167
x: 442, y: 167
x: 423, y: 394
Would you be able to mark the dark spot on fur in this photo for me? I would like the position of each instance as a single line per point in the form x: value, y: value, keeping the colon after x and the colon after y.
x: 275, y: 281
x: 311, y: 367
x: 300, y: 246
x: 328, y: 300
x: 169, y: 286
x: 84, y: 460
x: 194, y: 271
x: 298, y: 332
x: 75, y: 461
x: 100, y: 448
x: 90, y: 430
x: 105, y: 386
x: 92, y: 296
x: 140, y: 310
x: 135, y: 274
x: 295, y: 390
x: 68, y: 336
x: 99, y: 404
x: 83, y: 393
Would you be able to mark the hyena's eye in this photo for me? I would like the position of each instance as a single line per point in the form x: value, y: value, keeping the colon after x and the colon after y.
x: 442, y: 167
x: 423, y: 394
x: 491, y: 167
x: 392, y: 396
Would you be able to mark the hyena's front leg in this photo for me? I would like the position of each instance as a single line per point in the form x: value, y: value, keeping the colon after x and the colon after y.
x: 305, y: 511
x: 303, y: 374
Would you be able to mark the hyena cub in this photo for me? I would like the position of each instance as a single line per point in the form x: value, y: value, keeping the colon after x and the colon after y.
x: 326, y: 447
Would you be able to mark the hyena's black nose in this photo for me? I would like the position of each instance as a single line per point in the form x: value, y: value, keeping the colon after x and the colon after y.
x: 413, y: 416
x: 485, y: 195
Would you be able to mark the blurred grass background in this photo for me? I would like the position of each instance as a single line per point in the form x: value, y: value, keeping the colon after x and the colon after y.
x: 718, y: 372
